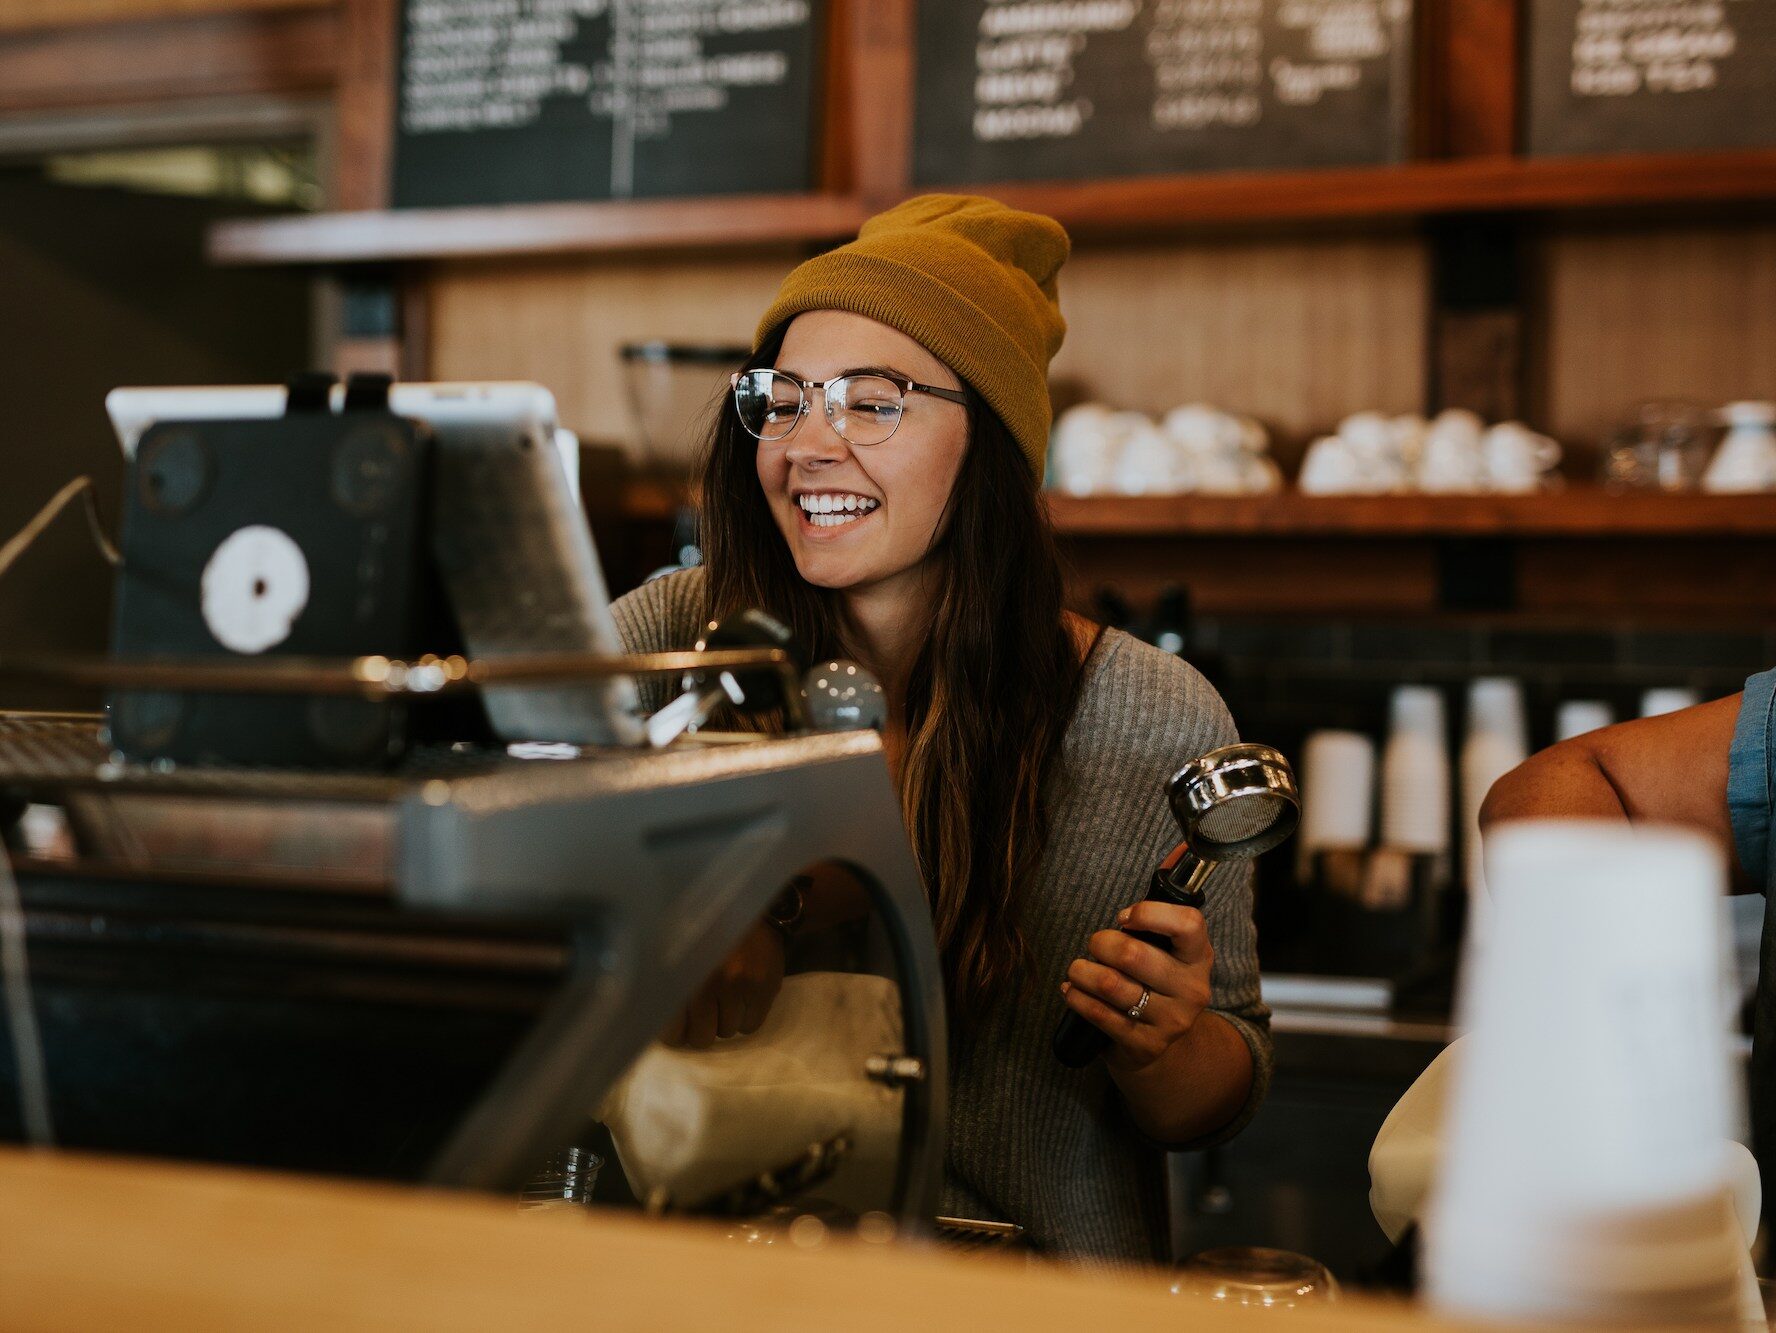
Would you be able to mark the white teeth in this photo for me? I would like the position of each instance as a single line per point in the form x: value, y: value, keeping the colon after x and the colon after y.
x: 832, y: 503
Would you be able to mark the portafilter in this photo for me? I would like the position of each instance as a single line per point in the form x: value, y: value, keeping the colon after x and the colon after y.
x: 1232, y: 804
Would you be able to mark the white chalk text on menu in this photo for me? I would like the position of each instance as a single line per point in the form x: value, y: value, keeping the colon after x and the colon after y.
x: 1608, y: 76
x: 504, y: 101
x: 1021, y: 89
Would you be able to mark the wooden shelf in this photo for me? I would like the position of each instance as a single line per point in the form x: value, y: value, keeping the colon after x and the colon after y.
x: 1134, y: 206
x: 453, y: 233
x: 1485, y: 184
x: 1576, y: 514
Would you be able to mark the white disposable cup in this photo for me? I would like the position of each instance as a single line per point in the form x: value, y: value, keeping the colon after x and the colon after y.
x: 1576, y: 717
x: 1337, y: 791
x: 1497, y: 741
x: 1586, y: 1168
x: 1415, y: 773
x: 1656, y: 703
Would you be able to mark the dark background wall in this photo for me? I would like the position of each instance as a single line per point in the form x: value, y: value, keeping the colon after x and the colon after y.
x: 101, y: 287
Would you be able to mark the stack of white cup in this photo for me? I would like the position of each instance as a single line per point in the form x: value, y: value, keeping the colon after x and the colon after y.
x: 1576, y: 717
x: 1337, y: 796
x: 1415, y: 773
x: 1657, y: 703
x: 1497, y: 741
x: 1586, y: 1172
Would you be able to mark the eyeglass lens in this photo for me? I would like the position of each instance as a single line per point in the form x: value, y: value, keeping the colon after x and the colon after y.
x: 863, y: 409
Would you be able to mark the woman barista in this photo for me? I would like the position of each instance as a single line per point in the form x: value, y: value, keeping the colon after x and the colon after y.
x: 873, y: 480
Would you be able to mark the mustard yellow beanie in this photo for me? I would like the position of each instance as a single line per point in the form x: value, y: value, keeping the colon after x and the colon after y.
x: 970, y: 280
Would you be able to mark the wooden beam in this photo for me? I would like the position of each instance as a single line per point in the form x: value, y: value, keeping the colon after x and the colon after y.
x: 1576, y: 513
x: 720, y: 223
x: 834, y: 109
x: 1112, y: 209
x: 367, y: 97
x: 1155, y: 204
x: 880, y: 85
x: 16, y: 15
x: 207, y: 56
x: 1470, y: 75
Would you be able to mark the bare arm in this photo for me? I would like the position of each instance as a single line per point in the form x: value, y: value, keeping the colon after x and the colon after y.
x: 1195, y: 1088
x: 1670, y: 769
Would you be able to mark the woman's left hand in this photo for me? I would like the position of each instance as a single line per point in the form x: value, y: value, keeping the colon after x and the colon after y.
x: 1103, y: 988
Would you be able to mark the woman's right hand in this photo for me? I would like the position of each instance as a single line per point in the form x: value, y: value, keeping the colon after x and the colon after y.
x: 738, y: 995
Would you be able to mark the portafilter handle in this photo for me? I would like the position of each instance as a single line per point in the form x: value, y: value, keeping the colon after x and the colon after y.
x: 1233, y: 804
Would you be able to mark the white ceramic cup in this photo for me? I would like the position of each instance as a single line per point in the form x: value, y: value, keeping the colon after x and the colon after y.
x: 1328, y: 468
x: 1083, y: 449
x: 1151, y: 462
x: 1517, y: 458
x: 1746, y: 458
x: 1449, y: 458
x: 1375, y: 446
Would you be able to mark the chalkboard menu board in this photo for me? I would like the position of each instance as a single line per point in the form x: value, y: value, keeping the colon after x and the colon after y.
x: 1058, y: 89
x: 1619, y: 76
x: 521, y: 101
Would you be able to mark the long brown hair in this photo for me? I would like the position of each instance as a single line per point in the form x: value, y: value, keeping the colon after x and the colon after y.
x: 990, y: 693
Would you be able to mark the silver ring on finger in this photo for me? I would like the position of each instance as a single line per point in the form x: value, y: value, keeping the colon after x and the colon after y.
x: 1139, y: 1007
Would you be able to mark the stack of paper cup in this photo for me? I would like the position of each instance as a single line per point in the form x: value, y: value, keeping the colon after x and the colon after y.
x: 1415, y: 773
x: 1337, y: 796
x: 1576, y: 717
x: 1587, y: 1169
x: 1337, y: 791
x: 1656, y: 703
x: 1497, y: 741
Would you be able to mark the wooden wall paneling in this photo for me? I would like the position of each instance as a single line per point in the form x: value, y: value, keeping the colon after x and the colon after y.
x: 880, y: 39
x: 1627, y: 314
x: 561, y: 323
x: 364, y: 145
x: 1296, y: 332
x: 18, y: 14
x: 1471, y: 77
x: 1477, y: 326
x: 205, y: 56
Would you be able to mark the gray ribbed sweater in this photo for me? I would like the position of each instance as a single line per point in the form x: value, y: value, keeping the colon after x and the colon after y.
x: 1031, y: 1142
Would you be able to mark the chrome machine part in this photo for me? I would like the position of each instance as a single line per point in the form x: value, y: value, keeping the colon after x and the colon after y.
x: 843, y: 696
x: 1235, y: 803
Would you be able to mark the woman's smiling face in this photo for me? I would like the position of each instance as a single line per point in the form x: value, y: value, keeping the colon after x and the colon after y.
x: 898, y: 490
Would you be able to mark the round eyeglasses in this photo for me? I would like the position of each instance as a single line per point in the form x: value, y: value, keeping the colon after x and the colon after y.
x: 862, y: 409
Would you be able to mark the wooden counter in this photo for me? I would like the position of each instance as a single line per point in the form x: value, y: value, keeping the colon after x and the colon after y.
x: 110, y: 1244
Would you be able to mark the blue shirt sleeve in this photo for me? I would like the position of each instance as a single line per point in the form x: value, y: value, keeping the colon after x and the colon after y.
x: 1751, y: 784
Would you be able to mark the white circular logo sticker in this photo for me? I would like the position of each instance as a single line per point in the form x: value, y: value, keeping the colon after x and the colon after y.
x: 254, y: 587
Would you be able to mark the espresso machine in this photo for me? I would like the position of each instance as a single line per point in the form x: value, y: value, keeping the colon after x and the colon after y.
x: 433, y: 974
x: 412, y: 910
